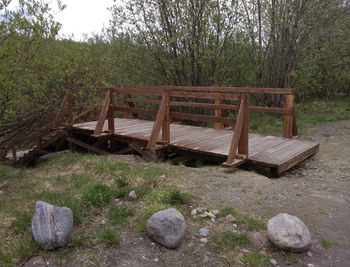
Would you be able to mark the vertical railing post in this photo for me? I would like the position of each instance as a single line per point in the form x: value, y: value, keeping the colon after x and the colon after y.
x: 244, y: 137
x: 103, y: 114
x: 14, y: 152
x: 218, y: 113
x: 166, y: 122
x: 111, y: 126
x: 288, y: 118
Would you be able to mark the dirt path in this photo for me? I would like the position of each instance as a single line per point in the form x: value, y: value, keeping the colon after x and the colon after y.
x: 318, y: 191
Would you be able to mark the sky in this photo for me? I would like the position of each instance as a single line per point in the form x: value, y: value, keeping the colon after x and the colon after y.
x: 83, y: 16
x: 80, y: 16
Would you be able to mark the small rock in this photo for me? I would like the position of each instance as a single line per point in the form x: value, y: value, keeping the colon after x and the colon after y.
x: 310, y: 265
x: 203, y: 232
x: 132, y: 195
x: 235, y: 225
x: 211, y: 215
x: 309, y: 254
x: 167, y: 227
x: 51, y: 226
x: 289, y: 233
x: 193, y: 212
x: 203, y: 240
x: 230, y: 218
x: 201, y: 210
x: 215, y: 212
x: 156, y: 259
x: 36, y: 262
x: 273, y: 262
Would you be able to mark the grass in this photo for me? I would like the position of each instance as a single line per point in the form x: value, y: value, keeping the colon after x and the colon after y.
x: 5, y: 259
x: 22, y: 222
x: 97, y: 195
x: 256, y: 259
x: 27, y: 248
x: 230, y: 239
x: 119, y: 215
x: 291, y: 257
x: 244, y: 219
x: 108, y: 236
x: 174, y: 197
x: 326, y: 243
x: 79, y: 239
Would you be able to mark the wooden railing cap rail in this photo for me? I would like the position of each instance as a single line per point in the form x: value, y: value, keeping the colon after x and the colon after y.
x: 211, y: 89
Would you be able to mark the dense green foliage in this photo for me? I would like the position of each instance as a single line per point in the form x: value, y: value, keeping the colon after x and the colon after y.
x: 265, y: 43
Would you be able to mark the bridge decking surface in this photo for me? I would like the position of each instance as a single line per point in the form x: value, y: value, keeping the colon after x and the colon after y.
x: 270, y: 151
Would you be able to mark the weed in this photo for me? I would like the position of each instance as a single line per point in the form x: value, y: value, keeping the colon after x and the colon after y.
x: 108, y: 237
x: 326, y: 243
x: 118, y: 215
x: 22, y: 222
x: 27, y: 248
x: 80, y: 180
x: 7, y: 172
x: 291, y: 257
x: 79, y: 240
x: 257, y: 259
x: 97, y: 195
x: 244, y: 219
x: 123, y: 180
x: 231, y: 239
x: 142, y: 191
x: 174, y: 197
x: 121, y: 192
x: 5, y: 259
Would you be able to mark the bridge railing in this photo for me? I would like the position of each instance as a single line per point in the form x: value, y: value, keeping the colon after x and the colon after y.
x: 168, y: 105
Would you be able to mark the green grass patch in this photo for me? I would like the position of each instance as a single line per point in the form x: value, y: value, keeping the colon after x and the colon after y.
x: 122, y: 180
x: 5, y: 259
x: 256, y: 259
x: 79, y: 239
x: 291, y: 257
x: 244, y: 219
x: 97, y: 195
x: 326, y: 243
x: 27, y: 248
x: 175, y: 197
x: 119, y: 215
x: 22, y: 222
x: 108, y: 236
x: 8, y: 172
x: 230, y: 239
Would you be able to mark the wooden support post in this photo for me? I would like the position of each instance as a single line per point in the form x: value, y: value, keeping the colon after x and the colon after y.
x: 218, y: 113
x: 158, y: 123
x: 288, y: 118
x: 111, y: 126
x: 166, y: 122
x: 58, y: 118
x: 244, y: 138
x: 14, y: 151
x: 103, y: 115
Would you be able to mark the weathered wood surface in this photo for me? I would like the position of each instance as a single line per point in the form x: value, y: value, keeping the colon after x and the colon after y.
x: 276, y: 152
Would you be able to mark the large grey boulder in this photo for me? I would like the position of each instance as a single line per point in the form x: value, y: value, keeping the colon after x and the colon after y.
x: 51, y: 226
x: 288, y: 232
x: 167, y: 227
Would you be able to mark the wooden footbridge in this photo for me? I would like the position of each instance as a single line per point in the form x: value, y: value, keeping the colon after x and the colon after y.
x: 151, y: 120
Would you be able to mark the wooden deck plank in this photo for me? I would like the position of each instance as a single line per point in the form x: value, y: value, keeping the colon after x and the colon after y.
x: 277, y: 152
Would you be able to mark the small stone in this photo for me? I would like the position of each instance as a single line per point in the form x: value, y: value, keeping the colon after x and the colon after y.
x: 309, y: 254
x: 193, y: 212
x: 203, y: 232
x: 36, y: 262
x: 203, y: 240
x: 201, y: 210
x: 235, y: 225
x: 132, y: 195
x: 230, y: 218
x: 310, y: 265
x: 211, y: 215
x: 156, y: 259
x: 215, y: 212
x: 273, y: 262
